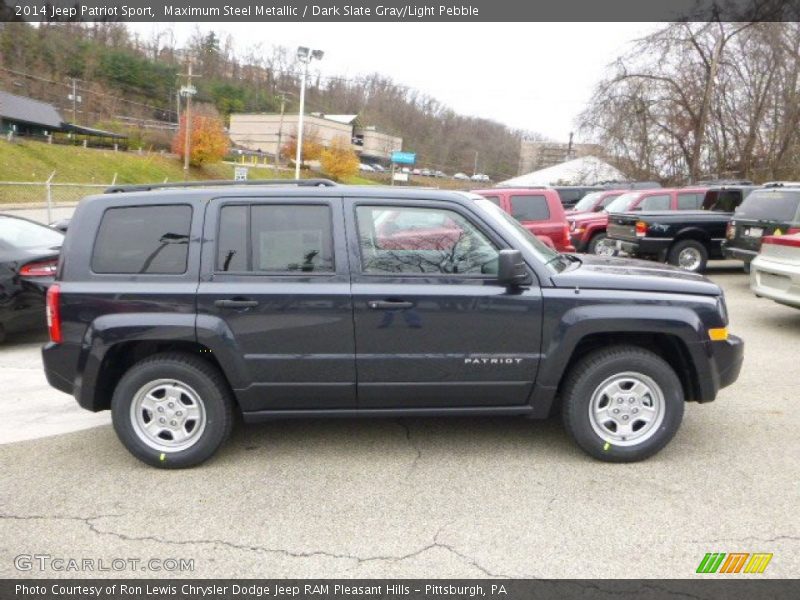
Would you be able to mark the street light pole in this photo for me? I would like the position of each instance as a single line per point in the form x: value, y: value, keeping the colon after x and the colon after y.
x: 305, y: 55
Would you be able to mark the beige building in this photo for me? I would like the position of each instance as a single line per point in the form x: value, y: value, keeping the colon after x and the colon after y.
x: 537, y: 155
x: 268, y: 132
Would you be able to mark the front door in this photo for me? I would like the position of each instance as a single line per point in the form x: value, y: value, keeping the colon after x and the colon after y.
x: 275, y: 273
x: 432, y: 326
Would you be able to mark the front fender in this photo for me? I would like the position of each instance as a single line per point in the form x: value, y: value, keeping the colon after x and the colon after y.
x: 582, y: 321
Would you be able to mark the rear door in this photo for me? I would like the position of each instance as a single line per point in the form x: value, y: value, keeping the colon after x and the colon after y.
x: 274, y: 272
x: 433, y: 329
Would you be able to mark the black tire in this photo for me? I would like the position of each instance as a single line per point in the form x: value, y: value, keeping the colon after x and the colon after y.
x: 597, y: 238
x: 674, y: 256
x: 2, y: 334
x: 598, y: 367
x: 746, y: 267
x: 203, y: 379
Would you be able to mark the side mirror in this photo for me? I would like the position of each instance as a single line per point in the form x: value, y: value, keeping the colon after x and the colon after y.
x: 511, y: 270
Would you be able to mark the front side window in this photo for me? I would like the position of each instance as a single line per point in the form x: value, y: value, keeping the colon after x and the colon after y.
x: 411, y: 240
x: 283, y: 238
x: 530, y: 207
x: 659, y: 202
x: 689, y: 201
x: 143, y: 239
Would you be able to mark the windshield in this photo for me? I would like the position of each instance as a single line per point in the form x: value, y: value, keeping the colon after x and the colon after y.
x: 518, y: 232
x: 770, y: 205
x: 587, y: 202
x: 19, y: 233
x: 622, y: 203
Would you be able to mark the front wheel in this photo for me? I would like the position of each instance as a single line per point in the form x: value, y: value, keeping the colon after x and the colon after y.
x: 689, y: 255
x: 597, y: 240
x: 172, y: 410
x: 622, y: 404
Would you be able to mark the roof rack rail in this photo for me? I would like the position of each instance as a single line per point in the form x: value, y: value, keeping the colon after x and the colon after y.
x: 146, y: 187
x: 776, y: 184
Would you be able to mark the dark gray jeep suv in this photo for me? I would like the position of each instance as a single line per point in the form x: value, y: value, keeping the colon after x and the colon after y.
x: 177, y: 308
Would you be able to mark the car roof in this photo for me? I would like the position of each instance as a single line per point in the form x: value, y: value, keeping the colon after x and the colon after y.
x: 203, y: 194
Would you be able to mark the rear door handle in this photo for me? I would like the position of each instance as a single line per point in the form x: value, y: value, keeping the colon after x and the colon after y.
x: 389, y: 304
x: 236, y: 303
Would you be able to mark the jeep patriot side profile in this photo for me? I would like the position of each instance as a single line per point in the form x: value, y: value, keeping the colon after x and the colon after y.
x: 176, y: 308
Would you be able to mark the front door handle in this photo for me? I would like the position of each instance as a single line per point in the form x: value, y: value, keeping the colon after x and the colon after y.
x: 239, y: 303
x: 389, y: 304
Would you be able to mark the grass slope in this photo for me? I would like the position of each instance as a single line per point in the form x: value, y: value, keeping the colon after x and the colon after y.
x: 35, y: 161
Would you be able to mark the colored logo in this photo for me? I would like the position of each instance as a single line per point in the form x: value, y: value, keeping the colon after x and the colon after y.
x: 734, y: 562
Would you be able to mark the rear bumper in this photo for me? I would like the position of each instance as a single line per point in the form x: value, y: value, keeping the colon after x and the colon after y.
x: 775, y: 280
x: 642, y: 247
x: 725, y: 364
x: 61, y: 370
x: 738, y: 253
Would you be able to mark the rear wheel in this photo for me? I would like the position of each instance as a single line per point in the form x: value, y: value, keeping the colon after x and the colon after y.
x: 622, y: 404
x: 689, y: 255
x: 598, y: 238
x: 172, y: 410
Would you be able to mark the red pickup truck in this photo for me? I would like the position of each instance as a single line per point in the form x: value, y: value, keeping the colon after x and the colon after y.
x: 588, y: 230
x: 538, y: 210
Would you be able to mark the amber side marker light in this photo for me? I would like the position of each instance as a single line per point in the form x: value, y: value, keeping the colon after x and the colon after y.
x: 719, y: 334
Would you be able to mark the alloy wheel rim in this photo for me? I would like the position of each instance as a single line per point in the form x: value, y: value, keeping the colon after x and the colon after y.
x: 168, y: 415
x: 689, y: 259
x: 627, y: 409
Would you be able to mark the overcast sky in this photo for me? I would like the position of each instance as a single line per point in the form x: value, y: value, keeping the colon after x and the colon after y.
x: 535, y: 76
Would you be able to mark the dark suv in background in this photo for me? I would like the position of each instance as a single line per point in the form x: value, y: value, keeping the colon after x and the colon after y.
x: 773, y: 210
x: 177, y: 308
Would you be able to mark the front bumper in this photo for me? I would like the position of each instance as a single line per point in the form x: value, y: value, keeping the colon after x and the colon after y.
x: 721, y: 367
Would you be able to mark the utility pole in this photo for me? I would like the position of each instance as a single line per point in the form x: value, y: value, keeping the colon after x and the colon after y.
x: 187, y: 91
x: 475, y: 168
x: 75, y: 99
x: 280, y: 127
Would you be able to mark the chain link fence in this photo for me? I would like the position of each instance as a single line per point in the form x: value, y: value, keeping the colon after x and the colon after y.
x: 45, y: 195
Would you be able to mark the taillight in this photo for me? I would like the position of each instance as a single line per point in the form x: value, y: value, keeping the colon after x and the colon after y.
x: 45, y: 268
x: 54, y: 313
x: 641, y: 229
x: 730, y: 230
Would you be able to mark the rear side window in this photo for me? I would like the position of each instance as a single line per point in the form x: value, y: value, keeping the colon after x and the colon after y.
x: 143, y: 239
x: 771, y: 206
x: 530, y: 208
x: 659, y: 202
x: 275, y: 238
x: 688, y: 201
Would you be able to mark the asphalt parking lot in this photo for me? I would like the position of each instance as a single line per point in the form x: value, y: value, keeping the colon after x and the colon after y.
x: 418, y: 498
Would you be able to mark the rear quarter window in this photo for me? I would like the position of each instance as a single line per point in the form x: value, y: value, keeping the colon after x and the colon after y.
x: 143, y: 240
